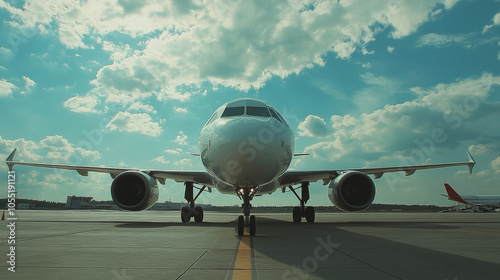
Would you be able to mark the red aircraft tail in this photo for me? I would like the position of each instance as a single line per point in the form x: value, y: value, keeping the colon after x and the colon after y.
x: 453, y: 195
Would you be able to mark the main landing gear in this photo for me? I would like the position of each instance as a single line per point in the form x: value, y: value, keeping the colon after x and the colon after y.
x: 191, y: 211
x: 302, y: 210
x: 246, y: 220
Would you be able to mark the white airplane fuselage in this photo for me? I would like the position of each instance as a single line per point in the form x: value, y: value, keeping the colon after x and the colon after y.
x: 246, y: 144
x: 483, y: 201
x: 492, y: 200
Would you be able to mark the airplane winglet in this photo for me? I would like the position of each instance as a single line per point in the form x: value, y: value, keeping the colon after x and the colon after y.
x: 10, y: 159
x: 471, y: 163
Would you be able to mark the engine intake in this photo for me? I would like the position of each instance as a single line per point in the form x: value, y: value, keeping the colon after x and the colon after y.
x: 352, y: 191
x: 134, y: 190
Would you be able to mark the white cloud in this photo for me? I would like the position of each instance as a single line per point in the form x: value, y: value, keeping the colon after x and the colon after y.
x: 495, y: 165
x: 118, y: 52
x: 142, y: 123
x: 447, y: 112
x: 28, y: 84
x: 469, y: 40
x: 6, y: 54
x: 260, y: 40
x: 448, y: 4
x: 181, y: 110
x: 313, y: 126
x: 496, y: 19
x: 54, y: 148
x: 183, y: 162
x: 83, y: 104
x: 6, y: 88
x: 366, y: 52
x: 442, y: 40
x: 161, y: 159
x: 481, y: 149
x: 496, y: 22
x: 173, y: 152
x: 138, y: 106
x: 377, y: 93
x: 390, y: 49
x: 71, y: 35
x: 181, y: 139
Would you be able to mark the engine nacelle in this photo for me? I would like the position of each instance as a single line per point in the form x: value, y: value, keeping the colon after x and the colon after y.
x: 352, y: 191
x: 134, y: 190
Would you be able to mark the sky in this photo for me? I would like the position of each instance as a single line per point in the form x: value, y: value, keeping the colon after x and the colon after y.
x: 126, y: 83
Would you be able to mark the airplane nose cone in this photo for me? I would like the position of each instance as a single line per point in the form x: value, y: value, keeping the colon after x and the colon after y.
x: 249, y: 152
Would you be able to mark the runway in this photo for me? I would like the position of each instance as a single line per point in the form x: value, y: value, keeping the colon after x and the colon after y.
x: 101, y: 244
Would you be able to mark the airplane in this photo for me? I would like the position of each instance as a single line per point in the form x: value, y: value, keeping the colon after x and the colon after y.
x: 484, y: 202
x: 246, y: 148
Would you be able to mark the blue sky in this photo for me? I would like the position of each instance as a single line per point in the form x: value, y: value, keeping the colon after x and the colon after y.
x: 130, y: 84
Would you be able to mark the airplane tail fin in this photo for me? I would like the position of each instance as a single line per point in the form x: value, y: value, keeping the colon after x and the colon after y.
x: 451, y: 192
x: 453, y: 195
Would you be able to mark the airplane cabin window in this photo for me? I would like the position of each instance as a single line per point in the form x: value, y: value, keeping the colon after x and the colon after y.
x: 233, y: 111
x: 258, y: 111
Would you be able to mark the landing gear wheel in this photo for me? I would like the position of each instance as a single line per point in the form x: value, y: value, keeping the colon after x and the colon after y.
x: 190, y: 211
x: 198, y: 214
x: 186, y: 214
x: 252, y: 225
x: 297, y: 214
x: 309, y: 214
x: 241, y: 225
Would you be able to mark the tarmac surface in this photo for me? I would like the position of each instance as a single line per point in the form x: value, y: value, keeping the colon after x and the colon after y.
x: 101, y: 244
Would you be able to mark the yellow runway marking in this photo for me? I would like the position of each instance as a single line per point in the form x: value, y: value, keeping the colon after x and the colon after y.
x: 243, y: 265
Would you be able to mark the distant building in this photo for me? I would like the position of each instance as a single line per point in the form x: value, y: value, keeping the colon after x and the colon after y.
x: 87, y: 202
x: 26, y: 206
x: 78, y: 202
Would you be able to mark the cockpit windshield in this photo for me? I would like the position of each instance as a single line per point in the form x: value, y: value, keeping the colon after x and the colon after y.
x: 258, y: 111
x: 233, y: 111
x: 246, y: 107
x: 276, y: 116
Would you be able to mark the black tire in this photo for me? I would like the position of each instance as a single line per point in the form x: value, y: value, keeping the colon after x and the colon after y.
x: 198, y: 214
x: 241, y: 225
x: 310, y: 214
x: 252, y: 225
x: 297, y: 214
x: 185, y: 214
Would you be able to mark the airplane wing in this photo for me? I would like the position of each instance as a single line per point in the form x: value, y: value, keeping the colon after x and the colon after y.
x: 198, y: 177
x: 297, y: 177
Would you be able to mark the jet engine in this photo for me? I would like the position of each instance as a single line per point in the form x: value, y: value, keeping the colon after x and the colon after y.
x: 352, y: 191
x: 134, y: 190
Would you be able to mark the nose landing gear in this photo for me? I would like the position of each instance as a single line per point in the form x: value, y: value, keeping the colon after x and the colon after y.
x: 246, y: 220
